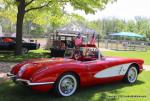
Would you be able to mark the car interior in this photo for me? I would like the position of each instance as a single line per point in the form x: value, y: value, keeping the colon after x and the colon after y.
x: 86, y: 54
x: 83, y: 53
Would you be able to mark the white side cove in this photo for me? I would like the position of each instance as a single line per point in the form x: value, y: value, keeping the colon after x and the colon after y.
x: 113, y: 71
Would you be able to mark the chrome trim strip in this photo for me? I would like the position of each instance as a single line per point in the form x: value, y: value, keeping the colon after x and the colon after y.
x: 34, y: 84
x: 11, y: 75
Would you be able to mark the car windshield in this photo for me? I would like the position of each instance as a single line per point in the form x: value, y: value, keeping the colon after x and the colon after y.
x: 69, y: 53
x: 87, y: 53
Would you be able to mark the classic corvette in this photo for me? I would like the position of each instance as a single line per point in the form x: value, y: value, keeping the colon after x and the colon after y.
x: 82, y: 66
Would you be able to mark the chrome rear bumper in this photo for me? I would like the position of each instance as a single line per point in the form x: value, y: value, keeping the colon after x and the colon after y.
x: 29, y: 83
x: 11, y: 75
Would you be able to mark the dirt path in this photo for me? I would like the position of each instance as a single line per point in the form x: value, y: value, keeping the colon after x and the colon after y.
x: 146, y: 67
x: 5, y: 67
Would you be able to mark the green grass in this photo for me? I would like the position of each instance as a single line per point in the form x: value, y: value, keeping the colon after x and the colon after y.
x: 10, y: 57
x: 110, y: 92
x: 130, y: 54
x: 44, y: 54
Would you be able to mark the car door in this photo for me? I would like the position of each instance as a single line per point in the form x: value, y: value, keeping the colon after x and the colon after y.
x: 102, y: 72
x: 12, y: 45
x: 95, y: 67
x: 3, y: 45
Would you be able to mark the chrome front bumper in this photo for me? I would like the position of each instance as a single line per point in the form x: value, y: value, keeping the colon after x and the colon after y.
x: 29, y: 83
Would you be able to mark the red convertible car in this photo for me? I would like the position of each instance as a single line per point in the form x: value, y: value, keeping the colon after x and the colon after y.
x: 82, y: 66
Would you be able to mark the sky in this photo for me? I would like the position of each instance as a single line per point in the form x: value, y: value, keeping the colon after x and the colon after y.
x: 123, y: 9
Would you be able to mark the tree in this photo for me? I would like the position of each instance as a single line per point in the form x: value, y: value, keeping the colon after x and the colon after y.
x: 25, y: 6
x: 131, y: 26
x: 48, y: 19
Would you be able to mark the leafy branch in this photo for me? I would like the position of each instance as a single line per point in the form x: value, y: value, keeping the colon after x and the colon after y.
x: 35, y: 8
x: 28, y: 3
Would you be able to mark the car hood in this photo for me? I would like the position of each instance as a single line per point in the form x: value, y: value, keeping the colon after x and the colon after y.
x: 50, y: 61
x: 26, y: 69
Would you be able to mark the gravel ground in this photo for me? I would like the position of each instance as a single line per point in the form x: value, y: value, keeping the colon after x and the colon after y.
x: 4, y: 69
x: 6, y: 66
x: 146, y: 67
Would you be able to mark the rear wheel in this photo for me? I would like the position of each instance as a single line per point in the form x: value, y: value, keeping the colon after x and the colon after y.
x: 131, y: 75
x: 24, y: 50
x: 66, y: 85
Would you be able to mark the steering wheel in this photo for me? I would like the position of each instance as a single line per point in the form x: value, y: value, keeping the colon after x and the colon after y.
x: 77, y: 55
x: 90, y: 52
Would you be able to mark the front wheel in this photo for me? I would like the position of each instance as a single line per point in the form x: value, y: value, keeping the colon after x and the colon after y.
x: 131, y: 75
x: 66, y: 85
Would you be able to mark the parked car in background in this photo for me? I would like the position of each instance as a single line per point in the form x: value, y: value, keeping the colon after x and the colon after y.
x: 8, y: 44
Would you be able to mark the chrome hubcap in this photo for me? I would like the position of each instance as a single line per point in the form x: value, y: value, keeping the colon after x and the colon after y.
x: 67, y: 85
x: 132, y: 75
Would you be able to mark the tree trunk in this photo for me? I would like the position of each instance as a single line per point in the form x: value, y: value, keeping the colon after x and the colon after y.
x: 19, y: 26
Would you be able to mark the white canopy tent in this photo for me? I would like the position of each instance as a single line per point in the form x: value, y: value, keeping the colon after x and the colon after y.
x: 75, y: 28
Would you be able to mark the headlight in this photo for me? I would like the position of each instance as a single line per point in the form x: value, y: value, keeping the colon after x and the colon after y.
x: 22, y: 69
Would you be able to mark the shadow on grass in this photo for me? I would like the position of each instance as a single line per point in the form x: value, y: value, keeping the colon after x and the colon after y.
x: 12, y: 92
x: 10, y: 57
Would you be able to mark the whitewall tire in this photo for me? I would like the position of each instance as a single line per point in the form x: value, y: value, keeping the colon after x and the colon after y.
x: 131, y: 75
x: 66, y: 85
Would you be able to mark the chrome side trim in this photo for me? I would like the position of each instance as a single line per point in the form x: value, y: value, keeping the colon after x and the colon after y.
x: 34, y: 84
x: 10, y: 75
